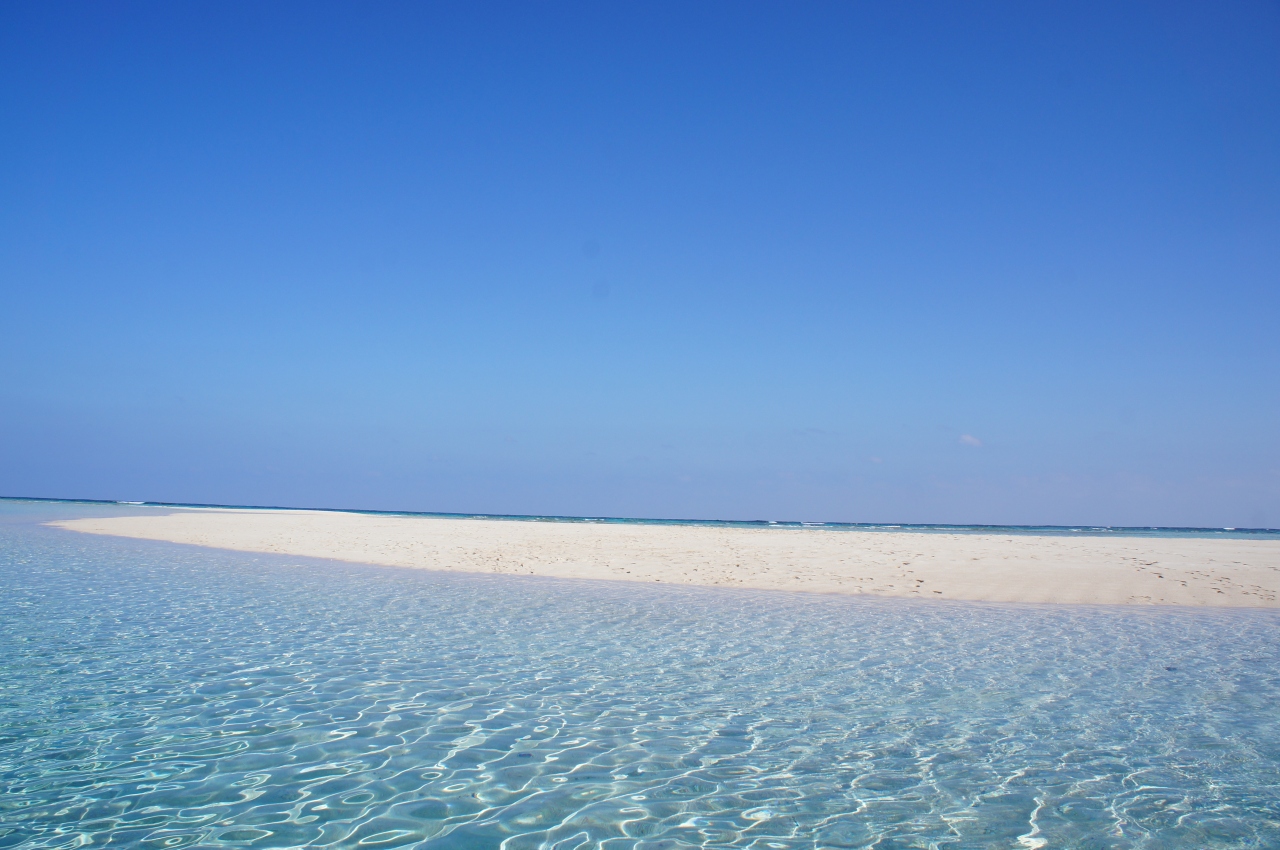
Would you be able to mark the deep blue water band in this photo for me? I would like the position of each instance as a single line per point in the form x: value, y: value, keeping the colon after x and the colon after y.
x: 1066, y: 530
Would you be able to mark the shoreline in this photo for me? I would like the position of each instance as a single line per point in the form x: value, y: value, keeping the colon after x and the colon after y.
x: 1157, y: 531
x: 934, y: 565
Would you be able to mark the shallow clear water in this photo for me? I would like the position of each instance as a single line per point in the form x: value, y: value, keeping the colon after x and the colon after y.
x: 161, y: 696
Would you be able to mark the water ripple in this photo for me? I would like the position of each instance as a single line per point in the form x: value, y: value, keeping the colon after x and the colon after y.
x: 162, y: 697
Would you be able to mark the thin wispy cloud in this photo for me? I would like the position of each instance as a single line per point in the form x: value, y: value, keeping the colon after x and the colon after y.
x: 970, y: 440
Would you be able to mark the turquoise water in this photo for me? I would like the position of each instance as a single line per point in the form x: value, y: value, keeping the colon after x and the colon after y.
x: 159, y: 696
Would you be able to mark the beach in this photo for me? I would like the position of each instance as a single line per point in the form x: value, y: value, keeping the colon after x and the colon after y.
x: 989, y: 567
x: 295, y: 702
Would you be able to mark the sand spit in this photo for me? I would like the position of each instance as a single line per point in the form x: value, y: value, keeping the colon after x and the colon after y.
x: 986, y: 567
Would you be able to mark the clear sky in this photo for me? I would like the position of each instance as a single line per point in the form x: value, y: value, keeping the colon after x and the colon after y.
x: 898, y: 262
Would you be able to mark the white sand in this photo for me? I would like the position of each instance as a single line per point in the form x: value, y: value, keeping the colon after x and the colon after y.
x: 990, y: 567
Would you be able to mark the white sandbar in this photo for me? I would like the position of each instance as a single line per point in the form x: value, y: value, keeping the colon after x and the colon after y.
x: 929, y: 565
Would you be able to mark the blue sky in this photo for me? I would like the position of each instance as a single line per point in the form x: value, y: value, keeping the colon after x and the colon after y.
x: 1005, y: 263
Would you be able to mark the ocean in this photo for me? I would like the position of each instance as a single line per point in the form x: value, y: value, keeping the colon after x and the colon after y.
x: 159, y: 696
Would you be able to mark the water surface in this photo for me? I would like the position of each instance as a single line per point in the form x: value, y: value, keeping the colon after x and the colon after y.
x: 154, y: 695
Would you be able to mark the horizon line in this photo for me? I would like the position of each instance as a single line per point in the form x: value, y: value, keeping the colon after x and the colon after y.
x: 1079, y: 528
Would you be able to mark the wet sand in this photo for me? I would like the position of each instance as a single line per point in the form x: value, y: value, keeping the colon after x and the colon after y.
x: 929, y: 565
